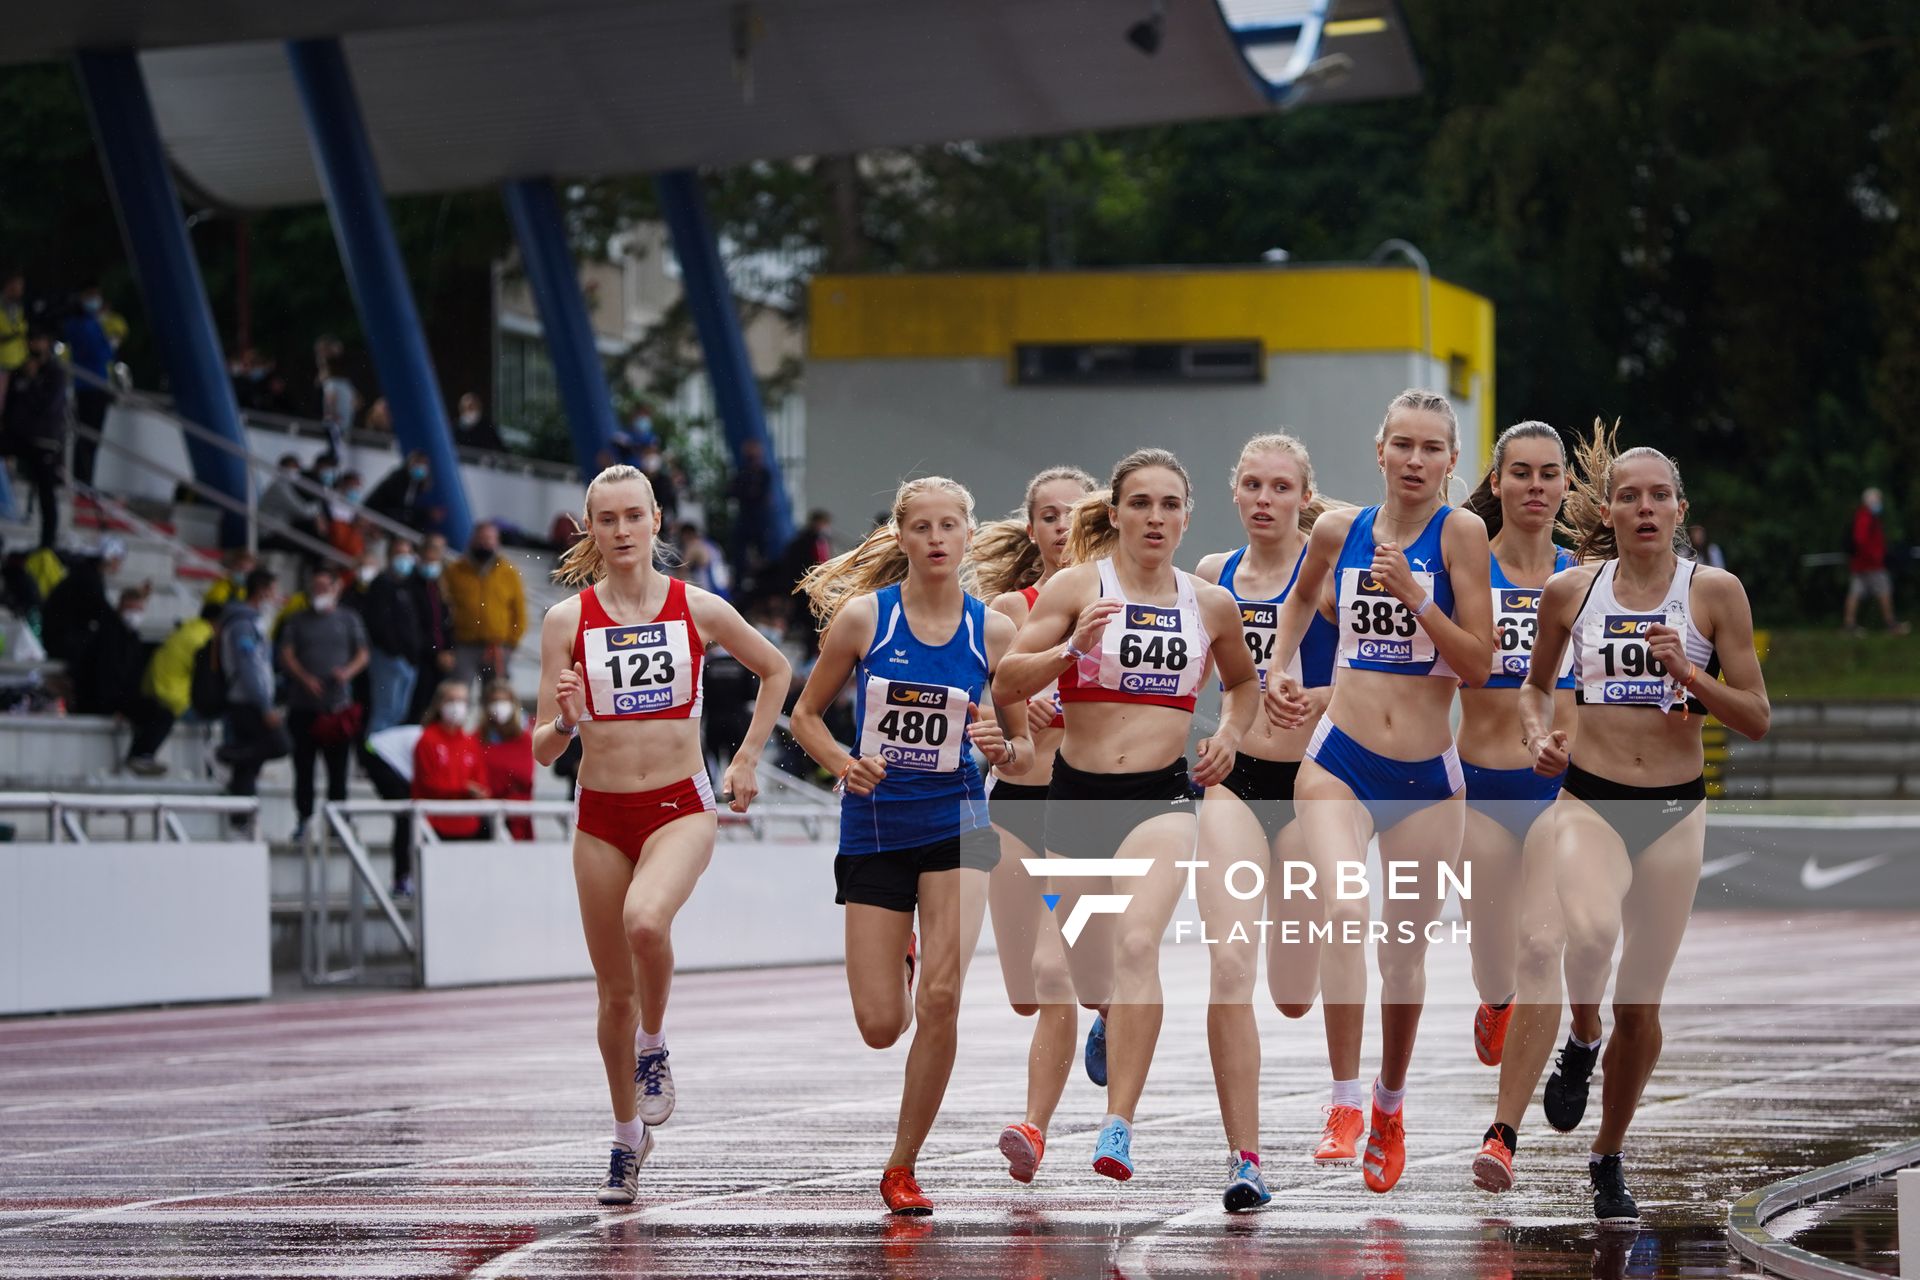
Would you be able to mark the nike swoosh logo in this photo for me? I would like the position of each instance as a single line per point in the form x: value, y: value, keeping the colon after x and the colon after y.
x: 1815, y: 877
x: 1718, y: 865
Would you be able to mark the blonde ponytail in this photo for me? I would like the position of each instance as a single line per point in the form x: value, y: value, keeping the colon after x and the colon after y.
x: 581, y: 565
x: 879, y: 561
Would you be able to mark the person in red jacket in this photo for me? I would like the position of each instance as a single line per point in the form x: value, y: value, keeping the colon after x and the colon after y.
x: 447, y: 764
x: 1867, y: 564
x: 507, y: 748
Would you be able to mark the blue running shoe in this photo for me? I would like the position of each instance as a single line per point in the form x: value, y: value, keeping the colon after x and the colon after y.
x: 1113, y: 1152
x: 1246, y: 1189
x: 653, y: 1085
x: 1097, y: 1051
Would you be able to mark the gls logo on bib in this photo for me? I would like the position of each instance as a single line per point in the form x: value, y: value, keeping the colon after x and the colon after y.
x: 1153, y: 651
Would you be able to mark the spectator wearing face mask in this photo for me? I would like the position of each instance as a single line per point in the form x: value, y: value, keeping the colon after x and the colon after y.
x: 255, y: 731
x: 447, y: 763
x: 346, y: 530
x: 392, y: 616
x: 507, y: 748
x: 702, y: 563
x: 435, y: 660
x: 666, y: 494
x: 1866, y: 564
x: 36, y: 421
x: 489, y: 606
x: 405, y: 494
x: 231, y: 585
x: 322, y: 649
x: 106, y: 677
x: 339, y: 398
x: 474, y: 429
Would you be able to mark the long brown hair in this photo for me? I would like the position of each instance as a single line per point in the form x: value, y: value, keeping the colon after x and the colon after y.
x: 1317, y: 504
x: 581, y: 564
x: 1584, y: 517
x: 1094, y: 532
x: 877, y: 562
x: 1482, y: 501
x: 1003, y: 556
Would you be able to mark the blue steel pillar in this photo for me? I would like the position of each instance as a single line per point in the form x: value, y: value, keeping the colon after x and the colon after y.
x: 534, y: 209
x: 710, y: 299
x: 148, y: 208
x: 379, y: 279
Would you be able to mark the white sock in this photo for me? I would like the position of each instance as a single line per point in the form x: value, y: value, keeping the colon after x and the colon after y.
x: 1388, y: 1100
x: 1584, y: 1044
x: 630, y: 1132
x: 1124, y: 1123
x: 1595, y: 1157
x: 1348, y: 1093
x: 645, y: 1040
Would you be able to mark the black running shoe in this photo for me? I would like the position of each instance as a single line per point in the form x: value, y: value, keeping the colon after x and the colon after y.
x: 1565, y: 1099
x: 1612, y: 1205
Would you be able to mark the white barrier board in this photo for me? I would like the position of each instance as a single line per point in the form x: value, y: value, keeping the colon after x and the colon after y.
x: 508, y: 911
x: 96, y: 926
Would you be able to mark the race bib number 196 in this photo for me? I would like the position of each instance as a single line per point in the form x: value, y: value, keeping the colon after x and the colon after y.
x: 1617, y: 666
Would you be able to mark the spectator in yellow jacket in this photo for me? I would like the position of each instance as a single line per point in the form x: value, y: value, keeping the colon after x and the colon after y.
x: 489, y: 607
x: 169, y: 678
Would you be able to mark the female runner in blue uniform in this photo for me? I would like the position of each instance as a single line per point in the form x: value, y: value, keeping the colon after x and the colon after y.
x: 1649, y: 631
x: 1009, y: 562
x: 914, y: 831
x: 1249, y: 816
x: 1514, y: 909
x: 1128, y: 637
x: 1415, y: 619
x: 621, y: 668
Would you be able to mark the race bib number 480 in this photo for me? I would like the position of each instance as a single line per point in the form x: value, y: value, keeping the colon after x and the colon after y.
x: 1375, y: 626
x: 914, y: 726
x: 639, y: 669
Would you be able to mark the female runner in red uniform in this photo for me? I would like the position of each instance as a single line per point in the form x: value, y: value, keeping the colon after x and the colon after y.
x: 620, y: 666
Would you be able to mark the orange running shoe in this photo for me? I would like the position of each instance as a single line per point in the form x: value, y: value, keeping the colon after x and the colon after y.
x: 903, y: 1194
x: 1493, y: 1167
x: 1341, y: 1137
x: 1022, y: 1145
x: 1386, y: 1155
x: 1490, y: 1032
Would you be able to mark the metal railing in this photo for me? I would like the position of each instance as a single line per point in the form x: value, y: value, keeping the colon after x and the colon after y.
x: 65, y: 812
x: 366, y: 892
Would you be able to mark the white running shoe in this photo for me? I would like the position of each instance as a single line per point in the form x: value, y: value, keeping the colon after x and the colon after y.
x: 623, y: 1170
x: 653, y: 1085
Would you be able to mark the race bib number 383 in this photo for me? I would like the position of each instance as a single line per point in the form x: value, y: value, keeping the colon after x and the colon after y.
x: 914, y: 726
x: 1375, y: 626
x: 640, y: 669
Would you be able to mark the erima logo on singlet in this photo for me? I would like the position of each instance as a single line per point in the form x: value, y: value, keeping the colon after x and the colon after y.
x: 1259, y: 615
x: 645, y: 636
x: 1520, y: 601
x: 1142, y: 618
x: 932, y: 696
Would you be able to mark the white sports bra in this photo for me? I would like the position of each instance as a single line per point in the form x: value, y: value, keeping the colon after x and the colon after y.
x: 1612, y: 664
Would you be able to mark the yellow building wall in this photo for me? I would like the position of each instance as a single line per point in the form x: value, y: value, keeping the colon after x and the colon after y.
x: 1290, y: 310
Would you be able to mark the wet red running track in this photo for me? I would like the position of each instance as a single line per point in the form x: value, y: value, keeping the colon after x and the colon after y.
x: 454, y: 1134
